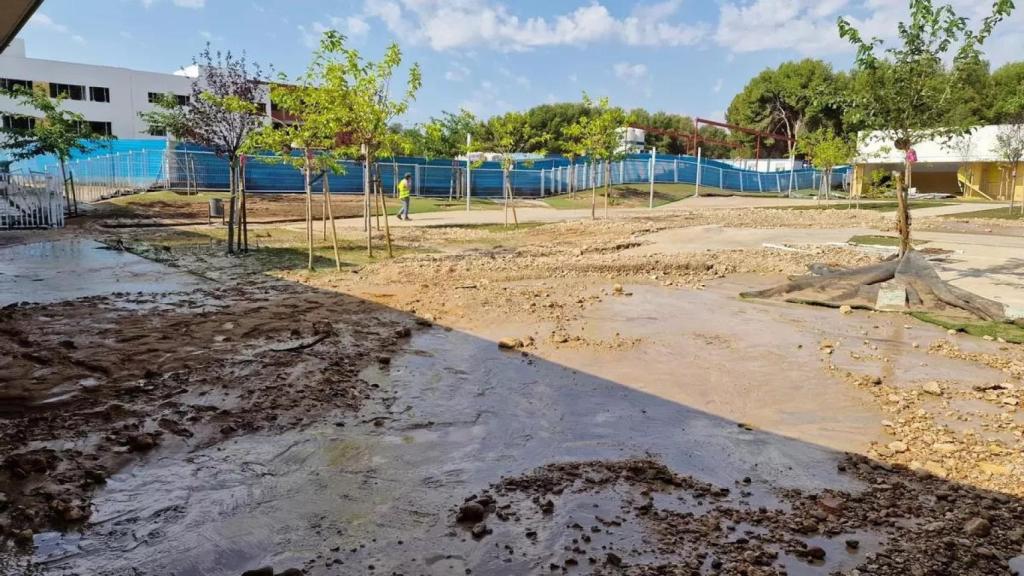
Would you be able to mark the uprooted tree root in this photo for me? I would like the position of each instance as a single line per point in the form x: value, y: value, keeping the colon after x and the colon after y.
x: 858, y: 288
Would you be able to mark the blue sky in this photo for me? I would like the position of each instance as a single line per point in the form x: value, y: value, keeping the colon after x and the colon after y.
x: 683, y: 56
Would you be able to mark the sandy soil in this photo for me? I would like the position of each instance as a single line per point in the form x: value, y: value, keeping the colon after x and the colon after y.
x: 924, y: 472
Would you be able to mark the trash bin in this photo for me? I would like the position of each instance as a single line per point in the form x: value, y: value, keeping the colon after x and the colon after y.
x: 216, y: 209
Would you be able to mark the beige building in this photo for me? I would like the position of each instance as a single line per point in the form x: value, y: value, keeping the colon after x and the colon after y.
x: 967, y: 166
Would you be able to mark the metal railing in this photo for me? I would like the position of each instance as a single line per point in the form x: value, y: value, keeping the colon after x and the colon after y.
x: 30, y: 201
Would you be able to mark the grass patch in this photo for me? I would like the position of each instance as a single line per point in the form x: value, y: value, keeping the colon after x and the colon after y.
x: 623, y: 196
x: 421, y: 205
x: 166, y: 196
x: 879, y: 240
x: 872, y: 206
x: 1009, y: 332
x: 992, y: 213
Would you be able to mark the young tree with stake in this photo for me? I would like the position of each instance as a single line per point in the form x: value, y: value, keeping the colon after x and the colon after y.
x: 906, y: 92
x: 225, y: 107
x: 826, y: 150
x: 509, y: 134
x: 1010, y: 148
x: 55, y: 131
x: 368, y: 110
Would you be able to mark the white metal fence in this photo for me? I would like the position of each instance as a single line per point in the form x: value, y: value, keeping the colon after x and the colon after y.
x: 30, y: 201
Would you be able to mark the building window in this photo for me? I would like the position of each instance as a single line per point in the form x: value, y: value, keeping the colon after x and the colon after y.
x: 99, y: 94
x: 13, y: 122
x: 12, y: 84
x: 100, y: 128
x: 157, y: 131
x: 70, y: 91
x: 155, y: 97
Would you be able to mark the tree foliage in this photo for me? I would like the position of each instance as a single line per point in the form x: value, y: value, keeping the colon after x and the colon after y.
x: 905, y: 91
x: 793, y: 98
x: 55, y: 131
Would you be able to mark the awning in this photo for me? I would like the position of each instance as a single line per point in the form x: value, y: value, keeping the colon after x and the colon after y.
x: 14, y: 15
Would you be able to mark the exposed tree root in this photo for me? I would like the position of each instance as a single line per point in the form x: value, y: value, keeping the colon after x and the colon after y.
x: 859, y: 288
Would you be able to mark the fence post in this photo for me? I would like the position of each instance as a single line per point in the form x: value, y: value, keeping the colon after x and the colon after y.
x: 469, y: 180
x: 696, y: 189
x: 417, y: 172
x: 654, y: 152
x: 675, y: 169
x: 541, y: 182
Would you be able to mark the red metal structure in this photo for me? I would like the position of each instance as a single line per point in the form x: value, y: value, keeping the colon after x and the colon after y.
x: 696, y: 138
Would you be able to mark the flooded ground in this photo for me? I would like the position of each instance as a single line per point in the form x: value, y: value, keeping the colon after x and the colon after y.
x: 52, y: 271
x: 644, y: 421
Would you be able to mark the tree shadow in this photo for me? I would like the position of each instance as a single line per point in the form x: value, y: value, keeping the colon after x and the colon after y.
x: 351, y: 454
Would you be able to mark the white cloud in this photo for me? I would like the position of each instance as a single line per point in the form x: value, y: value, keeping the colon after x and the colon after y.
x: 574, y: 78
x: 78, y: 39
x: 460, y: 24
x: 193, y: 4
x: 457, y: 73
x: 520, y: 80
x: 352, y: 27
x: 806, y: 26
x: 630, y: 72
x: 717, y: 87
x: 809, y: 26
x: 44, y: 22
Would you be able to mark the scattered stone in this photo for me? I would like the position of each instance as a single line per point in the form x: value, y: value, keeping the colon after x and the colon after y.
x: 853, y: 544
x: 471, y: 512
x: 617, y: 289
x: 480, y: 530
x: 978, y: 527
x: 898, y: 447
x: 509, y: 343
x: 932, y: 388
x: 613, y: 559
x: 264, y: 571
x: 816, y: 553
x: 845, y: 309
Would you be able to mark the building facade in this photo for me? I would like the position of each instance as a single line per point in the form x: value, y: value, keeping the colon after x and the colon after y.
x: 109, y: 98
x: 969, y: 166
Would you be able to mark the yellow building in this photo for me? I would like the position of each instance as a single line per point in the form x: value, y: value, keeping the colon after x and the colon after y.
x: 969, y: 167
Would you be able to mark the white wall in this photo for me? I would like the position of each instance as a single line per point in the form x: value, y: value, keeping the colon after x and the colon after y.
x: 129, y: 89
x: 875, y: 149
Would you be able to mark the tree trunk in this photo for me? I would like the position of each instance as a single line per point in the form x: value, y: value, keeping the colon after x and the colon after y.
x: 512, y: 204
x: 334, y: 229
x: 243, y: 212
x: 367, y: 219
x: 1013, y: 187
x: 593, y: 194
x: 231, y: 204
x: 903, y: 211
x: 309, y: 210
x: 504, y: 192
x: 384, y: 210
x: 607, y: 185
x: 64, y: 183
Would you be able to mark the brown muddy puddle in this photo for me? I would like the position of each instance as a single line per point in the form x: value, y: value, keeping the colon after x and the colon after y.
x: 337, y: 499
x: 381, y: 489
x: 52, y: 271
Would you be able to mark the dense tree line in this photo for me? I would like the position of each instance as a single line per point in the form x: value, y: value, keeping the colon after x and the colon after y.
x: 794, y: 99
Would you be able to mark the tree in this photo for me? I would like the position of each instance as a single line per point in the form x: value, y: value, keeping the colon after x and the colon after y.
x: 605, y: 142
x: 790, y: 99
x: 510, y: 134
x: 225, y: 107
x: 1010, y: 148
x: 313, y: 108
x: 826, y: 150
x: 963, y: 146
x: 1008, y: 93
x: 56, y: 131
x: 908, y: 95
x: 368, y: 110
x: 446, y: 137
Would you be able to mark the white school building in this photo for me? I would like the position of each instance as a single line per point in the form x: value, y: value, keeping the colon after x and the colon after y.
x: 109, y: 98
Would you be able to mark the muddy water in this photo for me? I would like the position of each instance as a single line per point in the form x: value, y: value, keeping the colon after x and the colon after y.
x: 380, y: 491
x: 51, y: 271
x: 459, y: 414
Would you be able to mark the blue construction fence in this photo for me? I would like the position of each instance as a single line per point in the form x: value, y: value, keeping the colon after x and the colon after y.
x: 154, y: 164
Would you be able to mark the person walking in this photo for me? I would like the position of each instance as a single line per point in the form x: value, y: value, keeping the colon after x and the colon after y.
x: 404, y: 187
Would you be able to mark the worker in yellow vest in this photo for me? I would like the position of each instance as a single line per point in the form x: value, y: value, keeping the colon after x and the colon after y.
x: 404, y: 186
